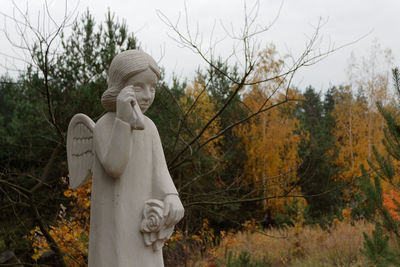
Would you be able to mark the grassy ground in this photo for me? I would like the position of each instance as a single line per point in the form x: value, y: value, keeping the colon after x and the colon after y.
x: 338, y: 245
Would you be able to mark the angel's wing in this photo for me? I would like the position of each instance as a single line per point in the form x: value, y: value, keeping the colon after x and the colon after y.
x: 80, y: 150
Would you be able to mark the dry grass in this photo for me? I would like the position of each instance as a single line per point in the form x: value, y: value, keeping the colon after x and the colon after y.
x: 296, y: 246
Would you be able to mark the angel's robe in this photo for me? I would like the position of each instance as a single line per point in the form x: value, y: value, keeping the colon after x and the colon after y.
x: 129, y: 169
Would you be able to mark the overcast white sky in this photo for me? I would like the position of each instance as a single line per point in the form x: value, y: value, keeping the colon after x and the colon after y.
x: 346, y: 21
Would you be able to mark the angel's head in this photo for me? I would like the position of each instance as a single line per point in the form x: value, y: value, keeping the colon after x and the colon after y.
x: 136, y: 68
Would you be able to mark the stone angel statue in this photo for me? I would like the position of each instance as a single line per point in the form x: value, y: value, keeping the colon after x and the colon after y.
x: 134, y: 205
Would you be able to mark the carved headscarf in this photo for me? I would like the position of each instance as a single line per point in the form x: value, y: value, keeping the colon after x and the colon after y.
x: 122, y: 68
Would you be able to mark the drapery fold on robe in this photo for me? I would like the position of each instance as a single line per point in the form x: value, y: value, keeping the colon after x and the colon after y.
x: 129, y: 169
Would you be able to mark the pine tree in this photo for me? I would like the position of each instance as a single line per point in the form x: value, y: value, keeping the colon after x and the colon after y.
x: 32, y: 154
x: 377, y: 247
x: 317, y: 153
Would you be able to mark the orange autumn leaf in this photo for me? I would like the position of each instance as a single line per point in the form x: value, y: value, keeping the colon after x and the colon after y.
x: 71, y: 231
x: 270, y: 139
x: 389, y: 201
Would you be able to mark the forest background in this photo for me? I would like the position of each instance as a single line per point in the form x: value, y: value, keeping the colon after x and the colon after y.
x: 246, y: 149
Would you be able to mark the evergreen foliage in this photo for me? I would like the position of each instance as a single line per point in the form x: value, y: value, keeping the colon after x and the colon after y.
x: 379, y: 248
x: 243, y: 260
x: 211, y: 177
x: 32, y: 154
x: 317, y: 153
x: 36, y: 108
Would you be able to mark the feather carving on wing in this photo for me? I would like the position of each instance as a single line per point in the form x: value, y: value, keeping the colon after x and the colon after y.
x: 80, y: 149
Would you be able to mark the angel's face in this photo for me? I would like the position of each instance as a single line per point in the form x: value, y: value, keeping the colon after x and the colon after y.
x: 144, y: 85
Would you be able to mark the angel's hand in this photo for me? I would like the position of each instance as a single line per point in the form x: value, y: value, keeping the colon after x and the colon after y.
x: 125, y: 102
x: 173, y: 210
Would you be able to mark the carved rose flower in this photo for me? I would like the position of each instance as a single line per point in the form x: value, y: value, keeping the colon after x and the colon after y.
x: 152, y: 216
x: 153, y: 228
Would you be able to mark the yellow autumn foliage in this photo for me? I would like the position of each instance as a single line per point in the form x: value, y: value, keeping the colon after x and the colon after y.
x: 71, y: 233
x: 271, y: 138
x: 200, y: 108
x: 357, y: 130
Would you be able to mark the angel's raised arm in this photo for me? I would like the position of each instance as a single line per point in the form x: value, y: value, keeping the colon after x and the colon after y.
x: 112, y: 140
